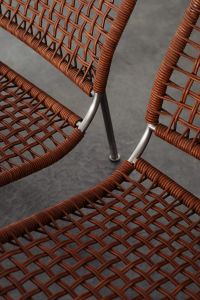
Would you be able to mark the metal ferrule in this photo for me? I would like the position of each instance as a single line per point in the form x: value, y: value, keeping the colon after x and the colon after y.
x: 142, y: 143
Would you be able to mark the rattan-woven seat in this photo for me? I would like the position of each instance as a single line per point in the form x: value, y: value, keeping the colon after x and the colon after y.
x: 134, y: 236
x: 35, y: 129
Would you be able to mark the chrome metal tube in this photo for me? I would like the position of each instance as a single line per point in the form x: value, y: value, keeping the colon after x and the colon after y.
x: 114, y: 155
x: 142, y: 144
x: 84, y: 124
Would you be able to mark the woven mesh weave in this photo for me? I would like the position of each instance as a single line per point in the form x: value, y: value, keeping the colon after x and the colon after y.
x: 175, y: 100
x: 135, y: 240
x: 79, y: 38
x: 70, y: 34
x: 35, y: 130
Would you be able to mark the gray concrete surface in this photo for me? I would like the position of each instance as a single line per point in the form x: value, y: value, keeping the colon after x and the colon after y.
x: 136, y: 60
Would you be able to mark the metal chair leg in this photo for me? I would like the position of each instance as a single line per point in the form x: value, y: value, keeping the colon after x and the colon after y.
x: 114, y: 155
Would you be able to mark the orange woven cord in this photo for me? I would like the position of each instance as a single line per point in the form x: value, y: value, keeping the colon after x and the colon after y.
x: 78, y: 37
x: 175, y: 101
x: 35, y: 130
x: 128, y: 238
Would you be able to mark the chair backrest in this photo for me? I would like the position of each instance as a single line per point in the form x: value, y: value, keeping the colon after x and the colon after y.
x: 174, y: 106
x: 77, y: 36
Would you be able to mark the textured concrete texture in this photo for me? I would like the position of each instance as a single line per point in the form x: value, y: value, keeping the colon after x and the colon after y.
x: 134, y: 66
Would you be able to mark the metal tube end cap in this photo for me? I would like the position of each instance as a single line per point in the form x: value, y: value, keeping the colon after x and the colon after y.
x: 115, y: 158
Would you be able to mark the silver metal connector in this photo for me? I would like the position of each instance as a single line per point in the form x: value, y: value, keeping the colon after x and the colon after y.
x: 142, y: 143
x: 84, y: 124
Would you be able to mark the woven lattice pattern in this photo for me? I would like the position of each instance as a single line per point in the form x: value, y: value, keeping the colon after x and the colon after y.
x: 137, y: 241
x: 70, y: 33
x: 175, y: 97
x: 32, y: 126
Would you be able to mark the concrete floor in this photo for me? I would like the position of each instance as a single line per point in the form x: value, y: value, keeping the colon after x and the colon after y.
x: 135, y: 63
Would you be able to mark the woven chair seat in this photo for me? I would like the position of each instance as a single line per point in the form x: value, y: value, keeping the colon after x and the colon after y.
x: 35, y: 130
x: 134, y: 236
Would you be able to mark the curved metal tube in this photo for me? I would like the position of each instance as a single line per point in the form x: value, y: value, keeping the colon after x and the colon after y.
x: 142, y: 144
x: 84, y: 124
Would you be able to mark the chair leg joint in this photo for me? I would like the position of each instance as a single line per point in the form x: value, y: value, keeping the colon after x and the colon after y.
x: 142, y: 144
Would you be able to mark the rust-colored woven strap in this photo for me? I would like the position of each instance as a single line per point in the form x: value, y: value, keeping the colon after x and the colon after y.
x: 175, y: 101
x: 35, y: 130
x: 78, y: 37
x: 134, y: 236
